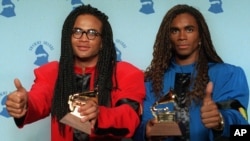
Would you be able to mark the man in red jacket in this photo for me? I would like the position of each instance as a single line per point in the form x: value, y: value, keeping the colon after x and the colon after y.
x: 87, y: 62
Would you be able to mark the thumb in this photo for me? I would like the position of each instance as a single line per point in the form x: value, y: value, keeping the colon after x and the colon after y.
x: 19, y: 86
x: 21, y: 94
x: 208, y: 92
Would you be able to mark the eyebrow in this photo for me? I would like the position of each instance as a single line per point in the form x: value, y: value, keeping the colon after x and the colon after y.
x: 185, y: 27
x: 83, y: 29
x: 189, y: 26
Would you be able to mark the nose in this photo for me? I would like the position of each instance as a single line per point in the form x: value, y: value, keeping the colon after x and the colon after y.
x: 182, y: 35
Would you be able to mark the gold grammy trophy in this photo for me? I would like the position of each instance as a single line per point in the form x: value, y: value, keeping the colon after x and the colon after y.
x: 166, y: 125
x: 73, y: 118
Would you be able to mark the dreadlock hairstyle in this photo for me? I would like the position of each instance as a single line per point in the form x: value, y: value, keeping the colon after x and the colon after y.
x: 105, y: 67
x: 163, y: 53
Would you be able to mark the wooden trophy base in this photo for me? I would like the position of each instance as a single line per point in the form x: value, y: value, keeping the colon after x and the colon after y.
x: 75, y: 122
x: 165, y: 129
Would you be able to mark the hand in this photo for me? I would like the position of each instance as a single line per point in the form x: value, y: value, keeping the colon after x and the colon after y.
x: 149, y: 126
x: 90, y: 111
x: 16, y: 103
x: 210, y: 114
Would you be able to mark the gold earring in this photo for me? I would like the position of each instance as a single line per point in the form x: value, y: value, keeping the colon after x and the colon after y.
x: 199, y: 43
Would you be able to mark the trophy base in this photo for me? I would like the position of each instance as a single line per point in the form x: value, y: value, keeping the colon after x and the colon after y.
x: 75, y: 122
x: 165, y: 129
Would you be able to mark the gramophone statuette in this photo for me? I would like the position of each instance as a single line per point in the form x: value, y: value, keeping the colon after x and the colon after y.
x: 164, y: 112
x: 73, y: 118
x: 78, y: 99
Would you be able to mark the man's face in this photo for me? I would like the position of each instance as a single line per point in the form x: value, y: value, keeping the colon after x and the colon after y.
x: 185, y: 38
x: 86, y: 50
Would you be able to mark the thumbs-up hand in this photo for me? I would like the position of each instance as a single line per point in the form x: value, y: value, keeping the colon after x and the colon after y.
x: 16, y: 103
x: 210, y: 114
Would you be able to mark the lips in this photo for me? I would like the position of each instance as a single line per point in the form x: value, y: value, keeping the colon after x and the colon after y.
x: 83, y: 48
x: 182, y: 46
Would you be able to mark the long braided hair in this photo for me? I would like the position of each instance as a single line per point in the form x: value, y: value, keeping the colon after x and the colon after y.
x: 163, y: 53
x: 105, y: 67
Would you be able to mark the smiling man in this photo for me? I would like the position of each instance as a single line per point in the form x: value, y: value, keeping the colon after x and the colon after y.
x: 87, y: 63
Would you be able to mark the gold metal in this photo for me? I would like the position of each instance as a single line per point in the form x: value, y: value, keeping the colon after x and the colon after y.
x: 73, y: 118
x: 167, y: 125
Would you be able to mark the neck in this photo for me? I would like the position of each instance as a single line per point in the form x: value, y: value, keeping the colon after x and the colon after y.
x: 85, y: 63
x: 186, y: 60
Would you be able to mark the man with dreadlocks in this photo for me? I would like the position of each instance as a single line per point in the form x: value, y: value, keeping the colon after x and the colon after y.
x: 211, y: 95
x: 87, y: 62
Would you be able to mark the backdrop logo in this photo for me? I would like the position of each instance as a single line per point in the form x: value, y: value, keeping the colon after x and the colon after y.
x: 40, y: 50
x: 3, y: 110
x: 215, y: 6
x: 8, y: 8
x: 76, y: 3
x: 147, y: 6
x: 118, y: 51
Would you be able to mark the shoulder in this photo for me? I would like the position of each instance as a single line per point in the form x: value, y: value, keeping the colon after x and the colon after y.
x: 48, y: 67
x: 123, y: 65
x: 127, y: 68
x: 225, y: 69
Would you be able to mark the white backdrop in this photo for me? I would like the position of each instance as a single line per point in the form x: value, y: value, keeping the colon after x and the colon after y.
x: 30, y: 33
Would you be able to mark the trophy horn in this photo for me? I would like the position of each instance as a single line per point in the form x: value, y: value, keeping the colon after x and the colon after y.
x: 169, y: 97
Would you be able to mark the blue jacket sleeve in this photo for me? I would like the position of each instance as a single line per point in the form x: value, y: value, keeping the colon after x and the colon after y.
x: 230, y: 83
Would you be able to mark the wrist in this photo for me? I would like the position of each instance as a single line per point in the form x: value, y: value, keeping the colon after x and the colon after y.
x: 220, y: 127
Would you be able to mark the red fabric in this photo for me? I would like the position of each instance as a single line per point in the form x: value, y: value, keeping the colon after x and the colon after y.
x: 131, y: 86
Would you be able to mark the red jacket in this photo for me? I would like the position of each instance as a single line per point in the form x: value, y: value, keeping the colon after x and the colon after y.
x: 131, y: 86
